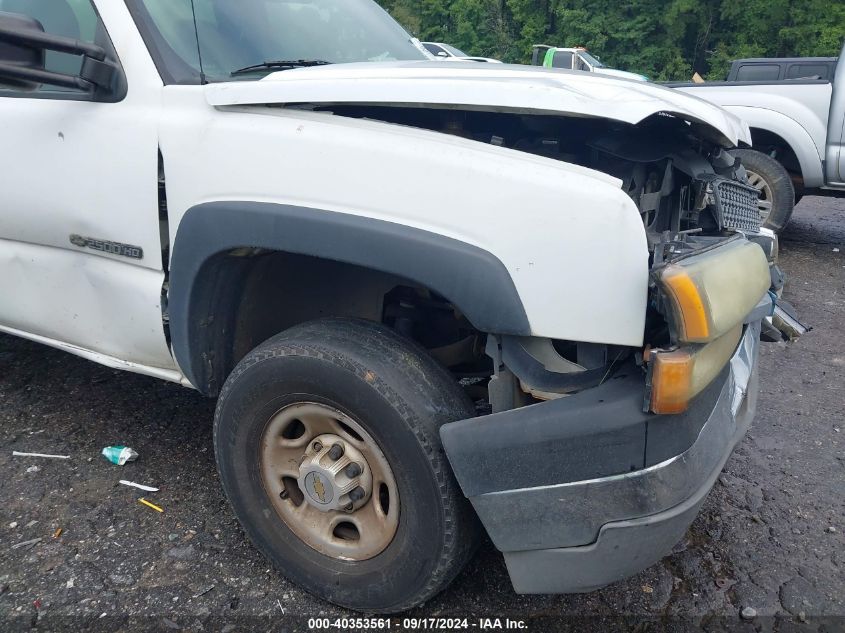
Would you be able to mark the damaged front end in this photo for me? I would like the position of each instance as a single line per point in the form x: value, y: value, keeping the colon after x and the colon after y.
x: 631, y: 432
x: 670, y: 152
x: 681, y: 175
x: 626, y: 463
x: 693, y: 198
x: 632, y: 439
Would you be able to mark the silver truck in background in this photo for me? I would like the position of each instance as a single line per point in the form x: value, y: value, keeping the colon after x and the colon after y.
x: 782, y: 68
x: 798, y: 130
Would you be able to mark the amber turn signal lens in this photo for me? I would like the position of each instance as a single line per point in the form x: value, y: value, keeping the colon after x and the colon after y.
x: 680, y: 375
x: 692, y: 310
x: 671, y: 382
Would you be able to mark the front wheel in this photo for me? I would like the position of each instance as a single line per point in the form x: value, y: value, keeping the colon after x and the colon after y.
x: 777, y: 193
x: 327, y: 443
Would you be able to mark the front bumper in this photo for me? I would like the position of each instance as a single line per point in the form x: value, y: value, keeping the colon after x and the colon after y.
x: 601, y: 490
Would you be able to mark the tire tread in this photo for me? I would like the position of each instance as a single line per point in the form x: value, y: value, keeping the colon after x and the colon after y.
x: 780, y: 182
x: 355, y: 346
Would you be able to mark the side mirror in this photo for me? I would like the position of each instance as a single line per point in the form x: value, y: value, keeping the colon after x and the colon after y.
x: 19, y: 56
x: 443, y: 54
x: 22, y: 45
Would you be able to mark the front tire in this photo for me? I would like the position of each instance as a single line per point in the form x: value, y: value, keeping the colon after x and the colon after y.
x: 383, y: 535
x: 777, y: 193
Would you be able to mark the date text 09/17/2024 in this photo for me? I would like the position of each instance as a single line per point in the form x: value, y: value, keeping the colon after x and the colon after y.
x: 415, y: 624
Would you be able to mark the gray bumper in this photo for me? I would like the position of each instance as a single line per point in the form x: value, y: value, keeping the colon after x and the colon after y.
x: 583, y: 534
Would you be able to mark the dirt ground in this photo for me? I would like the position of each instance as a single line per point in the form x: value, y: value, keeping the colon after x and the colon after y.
x: 771, y: 536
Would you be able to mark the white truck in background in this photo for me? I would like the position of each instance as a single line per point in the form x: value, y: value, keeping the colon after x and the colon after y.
x: 798, y: 126
x: 576, y: 58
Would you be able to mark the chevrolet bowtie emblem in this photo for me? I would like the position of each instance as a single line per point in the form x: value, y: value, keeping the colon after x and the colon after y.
x: 319, y: 488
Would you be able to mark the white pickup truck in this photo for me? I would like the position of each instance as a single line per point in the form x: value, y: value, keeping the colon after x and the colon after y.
x: 576, y: 58
x: 428, y: 297
x: 798, y: 125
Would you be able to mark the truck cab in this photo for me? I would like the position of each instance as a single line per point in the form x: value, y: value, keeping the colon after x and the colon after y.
x: 576, y: 58
x: 430, y: 299
x: 782, y: 69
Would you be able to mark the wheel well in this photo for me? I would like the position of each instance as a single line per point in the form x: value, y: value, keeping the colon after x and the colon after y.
x: 220, y: 246
x: 775, y: 146
x: 245, y: 296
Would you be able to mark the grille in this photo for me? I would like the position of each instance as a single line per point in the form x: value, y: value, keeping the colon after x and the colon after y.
x: 739, y: 205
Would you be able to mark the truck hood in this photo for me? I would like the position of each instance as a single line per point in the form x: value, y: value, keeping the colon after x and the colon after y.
x: 497, y: 87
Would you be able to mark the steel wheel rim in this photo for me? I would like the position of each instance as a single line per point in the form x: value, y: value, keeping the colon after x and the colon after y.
x: 286, y: 443
x: 764, y: 205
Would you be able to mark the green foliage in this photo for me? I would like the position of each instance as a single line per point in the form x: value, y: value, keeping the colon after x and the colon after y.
x: 664, y: 39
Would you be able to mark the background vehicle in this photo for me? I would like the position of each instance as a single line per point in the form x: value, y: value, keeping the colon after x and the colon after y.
x: 445, y: 51
x: 782, y: 69
x: 577, y: 58
x: 799, y: 124
x: 358, y: 250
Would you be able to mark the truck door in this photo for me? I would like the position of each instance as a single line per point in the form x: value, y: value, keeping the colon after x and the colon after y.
x: 582, y: 64
x: 835, y: 151
x: 81, y: 263
x: 562, y: 59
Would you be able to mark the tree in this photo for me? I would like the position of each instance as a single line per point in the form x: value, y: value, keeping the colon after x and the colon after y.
x: 664, y: 39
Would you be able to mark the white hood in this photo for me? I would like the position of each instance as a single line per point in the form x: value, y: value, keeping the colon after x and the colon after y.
x: 501, y: 87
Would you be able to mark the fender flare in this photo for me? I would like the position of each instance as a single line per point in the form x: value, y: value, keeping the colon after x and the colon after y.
x: 473, y: 279
x: 793, y: 133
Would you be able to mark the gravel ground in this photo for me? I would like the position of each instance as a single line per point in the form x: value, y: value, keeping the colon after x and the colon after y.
x: 771, y: 536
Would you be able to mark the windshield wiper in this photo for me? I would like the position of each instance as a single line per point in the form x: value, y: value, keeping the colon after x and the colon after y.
x: 280, y: 65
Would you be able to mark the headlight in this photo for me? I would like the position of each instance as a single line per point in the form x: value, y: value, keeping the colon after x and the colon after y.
x: 710, y: 294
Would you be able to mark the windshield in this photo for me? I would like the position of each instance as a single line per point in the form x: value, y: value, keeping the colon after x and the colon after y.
x: 233, y: 35
x: 592, y: 61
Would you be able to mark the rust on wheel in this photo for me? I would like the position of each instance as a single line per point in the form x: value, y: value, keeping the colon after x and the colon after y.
x: 329, y: 482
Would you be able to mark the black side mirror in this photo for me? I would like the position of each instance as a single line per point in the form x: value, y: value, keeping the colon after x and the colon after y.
x: 22, y: 45
x: 18, y: 55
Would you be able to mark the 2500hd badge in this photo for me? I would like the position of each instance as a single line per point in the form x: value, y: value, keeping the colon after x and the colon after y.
x: 104, y: 246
